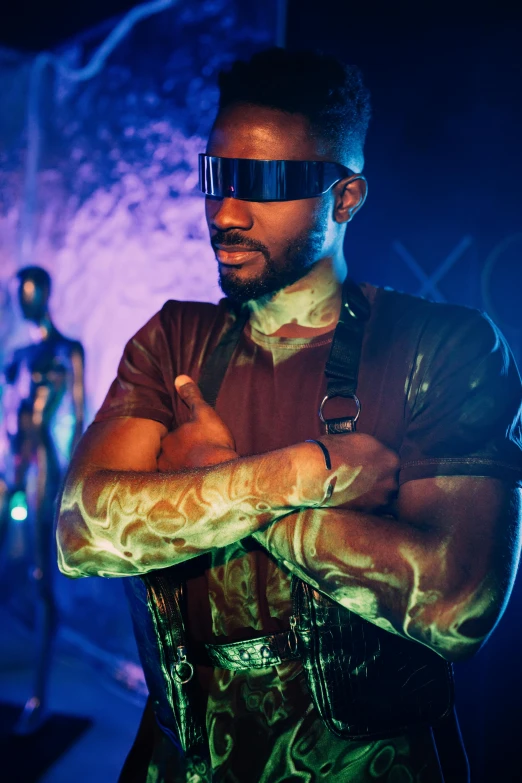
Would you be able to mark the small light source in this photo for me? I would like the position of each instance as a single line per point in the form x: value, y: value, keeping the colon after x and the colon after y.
x: 18, y: 507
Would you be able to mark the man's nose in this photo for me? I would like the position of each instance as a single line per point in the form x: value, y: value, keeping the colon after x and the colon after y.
x: 226, y: 213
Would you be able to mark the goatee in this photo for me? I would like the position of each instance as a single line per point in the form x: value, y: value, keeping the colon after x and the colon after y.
x: 300, y: 256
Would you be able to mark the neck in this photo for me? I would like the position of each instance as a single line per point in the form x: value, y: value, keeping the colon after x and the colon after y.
x: 42, y: 329
x: 307, y: 308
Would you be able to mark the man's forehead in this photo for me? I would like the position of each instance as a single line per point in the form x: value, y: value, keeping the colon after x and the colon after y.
x: 258, y: 132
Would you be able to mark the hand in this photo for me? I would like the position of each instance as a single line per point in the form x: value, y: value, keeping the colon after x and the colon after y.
x: 364, y: 473
x: 202, y: 441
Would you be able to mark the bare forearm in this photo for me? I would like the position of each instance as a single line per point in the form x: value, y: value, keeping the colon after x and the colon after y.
x: 398, y: 577
x: 122, y: 523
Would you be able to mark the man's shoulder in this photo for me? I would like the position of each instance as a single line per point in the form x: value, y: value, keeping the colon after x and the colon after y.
x: 175, y: 309
x: 409, y: 306
x: 183, y: 317
x: 398, y: 312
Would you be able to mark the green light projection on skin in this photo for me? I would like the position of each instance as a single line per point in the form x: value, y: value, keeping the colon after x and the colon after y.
x: 120, y: 524
x: 382, y: 584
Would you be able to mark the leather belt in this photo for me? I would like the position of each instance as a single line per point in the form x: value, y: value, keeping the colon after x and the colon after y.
x: 256, y: 653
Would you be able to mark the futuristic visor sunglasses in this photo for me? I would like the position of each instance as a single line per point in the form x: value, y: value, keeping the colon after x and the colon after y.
x: 268, y: 180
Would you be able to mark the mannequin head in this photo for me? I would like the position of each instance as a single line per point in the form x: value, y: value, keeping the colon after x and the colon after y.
x: 33, y: 293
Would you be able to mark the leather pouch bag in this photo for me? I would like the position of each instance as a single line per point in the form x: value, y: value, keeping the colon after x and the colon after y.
x: 365, y: 681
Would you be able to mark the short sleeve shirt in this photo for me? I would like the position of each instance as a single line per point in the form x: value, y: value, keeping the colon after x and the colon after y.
x: 437, y: 383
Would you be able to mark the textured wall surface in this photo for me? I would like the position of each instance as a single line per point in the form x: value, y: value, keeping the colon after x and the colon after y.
x: 119, y: 222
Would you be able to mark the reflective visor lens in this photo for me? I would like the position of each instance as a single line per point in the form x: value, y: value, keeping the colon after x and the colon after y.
x: 267, y: 180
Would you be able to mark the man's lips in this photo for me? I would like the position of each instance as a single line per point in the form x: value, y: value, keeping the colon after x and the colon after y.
x: 236, y: 255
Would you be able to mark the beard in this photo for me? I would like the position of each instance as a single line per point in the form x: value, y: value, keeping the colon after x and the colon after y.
x: 300, y: 256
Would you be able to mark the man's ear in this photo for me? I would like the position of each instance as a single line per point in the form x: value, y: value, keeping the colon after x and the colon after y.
x: 350, y: 194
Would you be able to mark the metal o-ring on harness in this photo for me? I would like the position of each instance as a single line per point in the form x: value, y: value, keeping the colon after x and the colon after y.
x: 183, y: 669
x: 341, y: 425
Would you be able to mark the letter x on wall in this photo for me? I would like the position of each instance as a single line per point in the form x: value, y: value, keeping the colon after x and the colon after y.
x: 429, y: 283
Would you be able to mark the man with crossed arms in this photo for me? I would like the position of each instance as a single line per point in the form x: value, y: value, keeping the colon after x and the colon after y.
x: 414, y: 528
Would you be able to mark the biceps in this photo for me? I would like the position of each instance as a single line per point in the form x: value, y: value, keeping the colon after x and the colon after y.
x: 476, y: 521
x: 127, y: 444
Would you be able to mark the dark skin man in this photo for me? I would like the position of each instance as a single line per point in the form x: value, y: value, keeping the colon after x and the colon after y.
x: 433, y: 561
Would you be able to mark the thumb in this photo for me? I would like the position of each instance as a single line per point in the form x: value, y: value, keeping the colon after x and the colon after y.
x: 191, y: 395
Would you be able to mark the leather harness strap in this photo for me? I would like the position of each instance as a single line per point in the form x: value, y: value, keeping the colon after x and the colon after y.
x: 216, y: 365
x: 341, y: 370
x: 342, y: 367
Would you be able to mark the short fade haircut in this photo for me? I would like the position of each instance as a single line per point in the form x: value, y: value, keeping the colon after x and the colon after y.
x: 328, y: 93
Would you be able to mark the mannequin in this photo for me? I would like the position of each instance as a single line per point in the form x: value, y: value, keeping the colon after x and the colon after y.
x: 55, y: 366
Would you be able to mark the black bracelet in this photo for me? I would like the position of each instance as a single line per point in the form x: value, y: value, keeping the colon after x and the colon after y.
x: 326, y: 453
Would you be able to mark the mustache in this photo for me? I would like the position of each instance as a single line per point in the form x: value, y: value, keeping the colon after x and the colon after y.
x: 234, y: 238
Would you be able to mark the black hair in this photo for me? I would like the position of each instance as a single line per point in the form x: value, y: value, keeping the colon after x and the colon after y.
x: 330, y: 94
x: 38, y: 275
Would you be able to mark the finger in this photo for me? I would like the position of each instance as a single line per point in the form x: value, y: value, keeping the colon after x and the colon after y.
x: 182, y: 380
x: 191, y: 395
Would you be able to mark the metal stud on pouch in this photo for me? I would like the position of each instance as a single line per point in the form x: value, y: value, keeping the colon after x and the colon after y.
x: 343, y: 424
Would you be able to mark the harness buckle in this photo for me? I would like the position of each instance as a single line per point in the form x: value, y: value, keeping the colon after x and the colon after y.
x: 340, y: 425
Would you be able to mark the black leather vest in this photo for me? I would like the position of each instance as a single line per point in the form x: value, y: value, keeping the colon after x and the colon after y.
x: 365, y: 682
x: 155, y: 602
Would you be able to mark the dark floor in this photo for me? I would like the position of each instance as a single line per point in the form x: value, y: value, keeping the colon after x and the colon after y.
x: 80, y: 686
